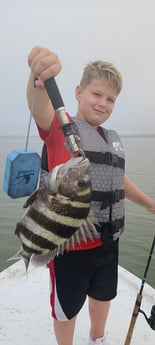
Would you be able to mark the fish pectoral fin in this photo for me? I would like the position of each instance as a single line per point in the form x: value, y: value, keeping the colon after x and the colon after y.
x: 31, y: 199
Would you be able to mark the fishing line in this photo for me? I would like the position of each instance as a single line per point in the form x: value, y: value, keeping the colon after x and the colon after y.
x: 137, y: 310
x: 22, y: 168
x: 30, y: 119
x: 28, y: 132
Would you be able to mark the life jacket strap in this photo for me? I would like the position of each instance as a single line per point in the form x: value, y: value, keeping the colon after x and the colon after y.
x: 108, y: 198
x: 105, y: 158
x: 44, y: 158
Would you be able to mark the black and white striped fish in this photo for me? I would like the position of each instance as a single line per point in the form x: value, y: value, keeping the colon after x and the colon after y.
x: 58, y: 215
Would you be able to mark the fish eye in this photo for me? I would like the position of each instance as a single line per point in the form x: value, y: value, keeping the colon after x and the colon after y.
x: 81, y: 183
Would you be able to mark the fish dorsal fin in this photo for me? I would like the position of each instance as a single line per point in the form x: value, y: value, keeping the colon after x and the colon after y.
x: 31, y: 199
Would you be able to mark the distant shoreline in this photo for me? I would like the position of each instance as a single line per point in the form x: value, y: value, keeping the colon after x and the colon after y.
x: 121, y: 135
x: 138, y: 135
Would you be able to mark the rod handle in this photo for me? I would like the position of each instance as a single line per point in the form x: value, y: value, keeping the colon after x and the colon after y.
x: 133, y: 319
x: 53, y: 93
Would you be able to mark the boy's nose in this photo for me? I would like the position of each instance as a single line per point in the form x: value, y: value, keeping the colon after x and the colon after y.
x: 103, y: 102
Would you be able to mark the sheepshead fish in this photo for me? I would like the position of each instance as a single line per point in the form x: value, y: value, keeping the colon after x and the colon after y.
x: 58, y: 214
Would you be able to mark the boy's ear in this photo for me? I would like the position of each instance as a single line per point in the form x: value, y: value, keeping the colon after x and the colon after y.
x: 78, y: 92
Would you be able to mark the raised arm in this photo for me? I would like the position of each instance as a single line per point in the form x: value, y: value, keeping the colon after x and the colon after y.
x: 44, y: 64
x: 136, y: 195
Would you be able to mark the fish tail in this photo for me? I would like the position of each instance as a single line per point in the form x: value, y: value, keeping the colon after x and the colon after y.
x: 16, y: 256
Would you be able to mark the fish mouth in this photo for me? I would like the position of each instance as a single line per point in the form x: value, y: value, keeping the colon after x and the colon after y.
x: 74, y: 163
x: 81, y: 161
x: 55, y: 177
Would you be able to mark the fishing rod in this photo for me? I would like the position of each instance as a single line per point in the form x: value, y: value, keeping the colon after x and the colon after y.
x: 137, y: 310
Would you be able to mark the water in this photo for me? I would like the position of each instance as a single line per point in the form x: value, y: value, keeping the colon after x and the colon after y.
x: 136, y: 241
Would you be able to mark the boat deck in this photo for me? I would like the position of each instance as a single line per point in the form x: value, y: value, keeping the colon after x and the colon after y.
x: 25, y: 310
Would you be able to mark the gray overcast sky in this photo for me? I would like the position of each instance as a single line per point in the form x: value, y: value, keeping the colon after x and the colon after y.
x: 120, y: 31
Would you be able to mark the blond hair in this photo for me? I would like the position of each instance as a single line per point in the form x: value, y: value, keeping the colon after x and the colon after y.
x: 102, y: 70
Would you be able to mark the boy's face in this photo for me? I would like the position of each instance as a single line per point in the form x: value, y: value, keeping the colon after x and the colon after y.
x: 95, y: 101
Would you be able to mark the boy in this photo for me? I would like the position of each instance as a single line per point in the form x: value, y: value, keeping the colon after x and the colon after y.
x: 88, y: 269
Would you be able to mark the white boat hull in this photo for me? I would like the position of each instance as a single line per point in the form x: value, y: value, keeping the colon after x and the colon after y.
x: 25, y: 310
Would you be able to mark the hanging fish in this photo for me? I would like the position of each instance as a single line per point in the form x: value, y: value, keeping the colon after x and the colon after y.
x: 58, y: 215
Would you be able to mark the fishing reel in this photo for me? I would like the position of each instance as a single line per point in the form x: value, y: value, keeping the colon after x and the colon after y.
x: 151, y: 319
x: 72, y: 140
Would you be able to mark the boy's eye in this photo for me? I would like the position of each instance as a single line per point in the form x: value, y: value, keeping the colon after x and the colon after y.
x: 110, y: 100
x: 97, y: 94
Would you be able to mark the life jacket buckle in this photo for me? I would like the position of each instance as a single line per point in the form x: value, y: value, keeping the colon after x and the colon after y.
x: 113, y: 227
x: 108, y: 158
x: 115, y: 196
x: 115, y: 160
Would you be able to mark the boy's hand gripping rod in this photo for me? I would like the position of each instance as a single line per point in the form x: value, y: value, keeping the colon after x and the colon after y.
x: 66, y: 125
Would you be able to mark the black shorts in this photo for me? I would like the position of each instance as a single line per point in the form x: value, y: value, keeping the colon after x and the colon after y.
x: 76, y: 274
